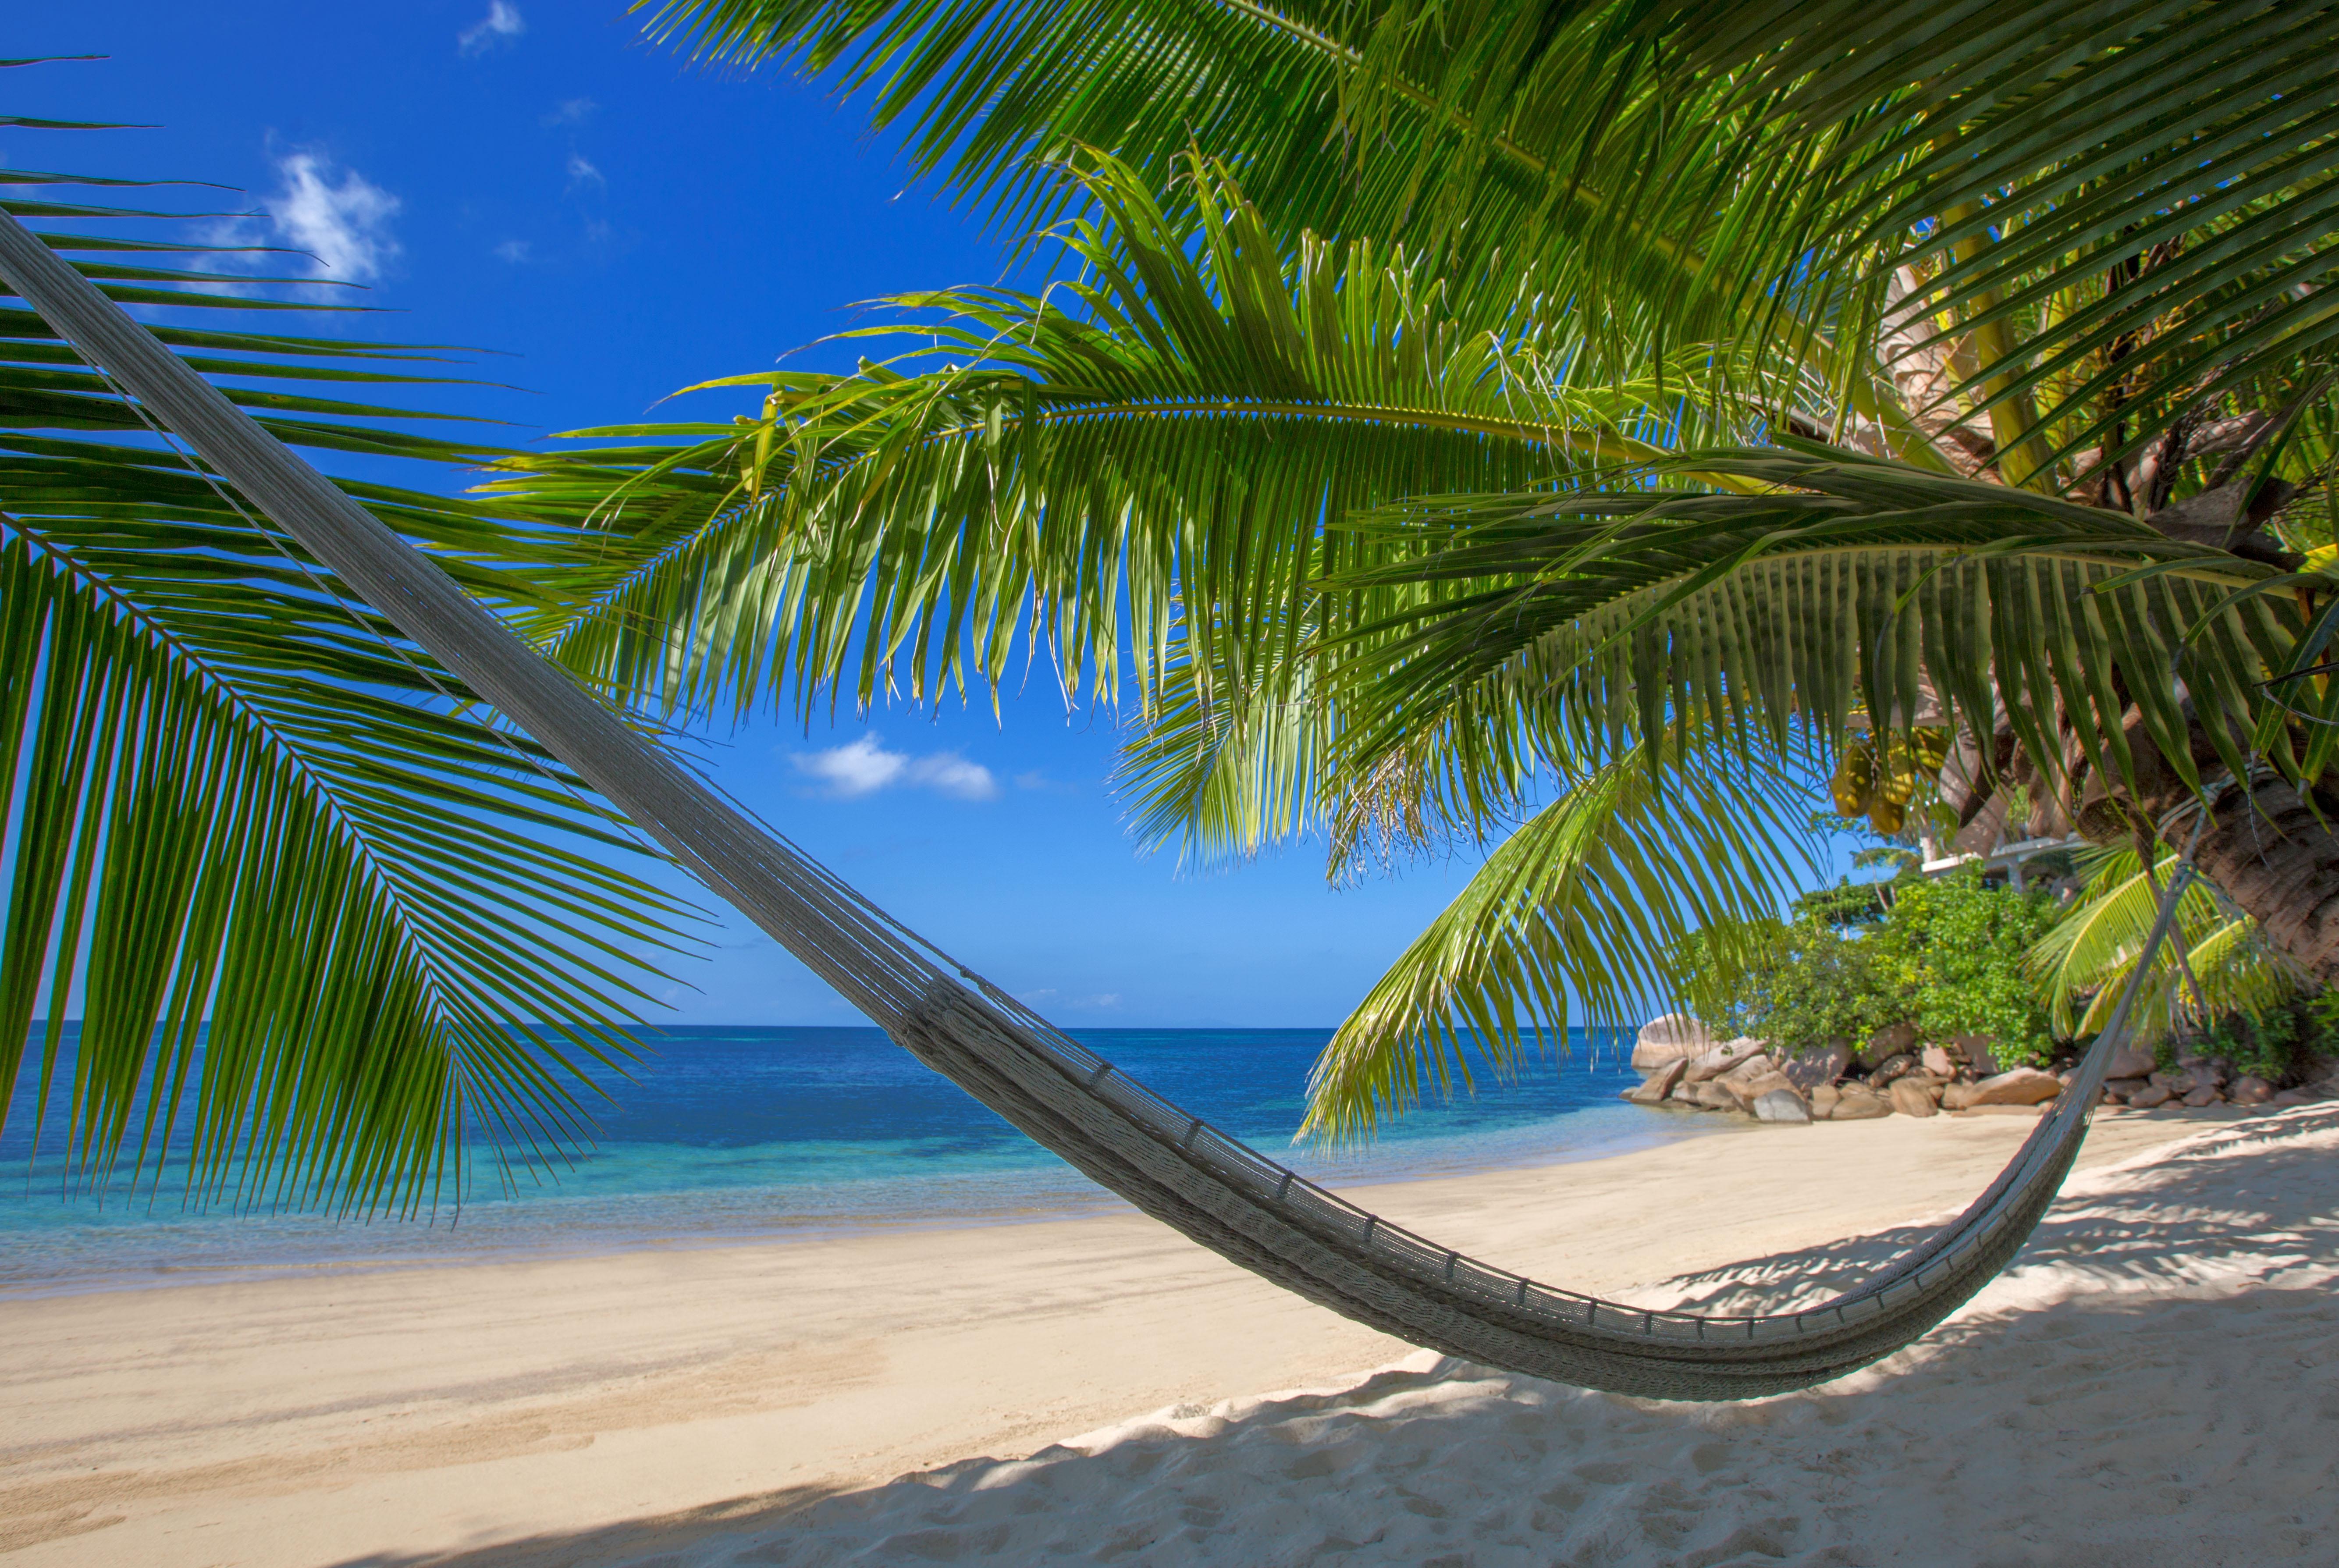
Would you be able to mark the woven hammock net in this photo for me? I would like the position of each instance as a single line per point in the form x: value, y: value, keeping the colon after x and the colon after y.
x: 1211, y: 1188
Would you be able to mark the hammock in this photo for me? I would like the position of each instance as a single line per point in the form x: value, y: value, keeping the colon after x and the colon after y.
x: 1171, y: 1165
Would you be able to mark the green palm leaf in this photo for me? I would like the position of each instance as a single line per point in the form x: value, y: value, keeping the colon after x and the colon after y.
x: 2083, y: 964
x: 1093, y: 468
x: 327, y: 928
x: 1335, y: 131
x: 1229, y: 760
x: 1999, y: 240
x: 1849, y: 586
x: 1573, y: 917
x: 2126, y: 213
x: 2071, y: 232
x: 2077, y: 228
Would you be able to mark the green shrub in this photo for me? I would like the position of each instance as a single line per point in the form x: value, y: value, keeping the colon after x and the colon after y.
x: 1962, y: 946
x: 1812, y: 986
x: 2320, y: 1012
x: 2280, y: 1045
x: 1948, y: 957
x: 1848, y: 903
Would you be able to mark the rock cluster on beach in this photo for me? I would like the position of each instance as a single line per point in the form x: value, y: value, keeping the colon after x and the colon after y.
x: 1684, y: 1066
x: 2135, y: 1081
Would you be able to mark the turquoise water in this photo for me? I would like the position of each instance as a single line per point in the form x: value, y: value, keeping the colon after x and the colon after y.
x: 723, y: 1135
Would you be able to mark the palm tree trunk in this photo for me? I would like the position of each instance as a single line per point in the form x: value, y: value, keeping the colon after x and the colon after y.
x: 2275, y: 850
x: 2273, y: 856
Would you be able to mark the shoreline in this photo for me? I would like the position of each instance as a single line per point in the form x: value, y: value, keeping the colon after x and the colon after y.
x: 384, y: 1418
x: 552, y: 1237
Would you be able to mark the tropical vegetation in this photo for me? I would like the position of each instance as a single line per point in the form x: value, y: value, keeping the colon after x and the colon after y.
x: 2214, y: 966
x: 2035, y: 972
x: 1577, y: 428
x: 1947, y: 956
x: 1584, y: 430
x: 288, y: 918
x: 2280, y: 1045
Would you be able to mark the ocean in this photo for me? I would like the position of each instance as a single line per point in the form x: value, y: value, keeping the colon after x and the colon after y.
x: 722, y: 1134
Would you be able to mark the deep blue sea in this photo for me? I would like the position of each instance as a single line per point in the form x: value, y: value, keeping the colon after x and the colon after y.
x: 721, y: 1135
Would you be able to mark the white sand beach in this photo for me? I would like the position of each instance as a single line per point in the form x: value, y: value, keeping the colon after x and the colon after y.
x: 2155, y: 1382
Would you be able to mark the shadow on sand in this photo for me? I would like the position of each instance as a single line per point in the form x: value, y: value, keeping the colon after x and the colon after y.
x: 2152, y: 1382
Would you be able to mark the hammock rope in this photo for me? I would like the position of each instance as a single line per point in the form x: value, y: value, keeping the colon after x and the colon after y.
x: 1169, y: 1164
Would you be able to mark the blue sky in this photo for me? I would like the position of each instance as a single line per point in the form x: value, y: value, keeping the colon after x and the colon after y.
x: 535, y: 180
x: 616, y: 223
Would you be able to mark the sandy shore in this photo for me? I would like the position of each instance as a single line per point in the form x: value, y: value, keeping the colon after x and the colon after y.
x: 743, y: 1404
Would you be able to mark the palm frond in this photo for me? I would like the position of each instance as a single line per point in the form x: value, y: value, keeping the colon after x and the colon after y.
x: 2125, y: 214
x: 1571, y: 918
x: 1228, y: 761
x: 2079, y: 253
x: 2083, y: 964
x: 329, y: 931
x: 1848, y: 586
x: 2070, y: 232
x: 1142, y: 459
x: 2077, y: 228
x: 990, y: 95
x: 1344, y: 122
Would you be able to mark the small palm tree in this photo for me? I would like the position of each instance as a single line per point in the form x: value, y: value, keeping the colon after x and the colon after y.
x: 2216, y: 966
x: 1593, y: 417
x: 325, y: 926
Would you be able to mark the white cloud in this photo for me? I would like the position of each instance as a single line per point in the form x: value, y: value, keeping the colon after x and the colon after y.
x: 501, y: 25
x: 344, y: 224
x: 582, y: 173
x: 571, y: 111
x: 954, y: 775
x: 512, y: 251
x: 866, y: 767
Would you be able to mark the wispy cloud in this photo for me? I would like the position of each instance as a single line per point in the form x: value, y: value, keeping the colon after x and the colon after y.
x: 516, y: 252
x: 582, y: 173
x: 1038, y: 780
x: 571, y: 111
x: 954, y: 775
x: 865, y: 766
x: 501, y: 25
x: 338, y: 216
x: 1050, y: 997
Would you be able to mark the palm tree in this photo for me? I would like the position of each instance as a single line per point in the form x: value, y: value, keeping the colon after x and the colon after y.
x: 1590, y: 417
x: 327, y: 927
x: 2218, y: 966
